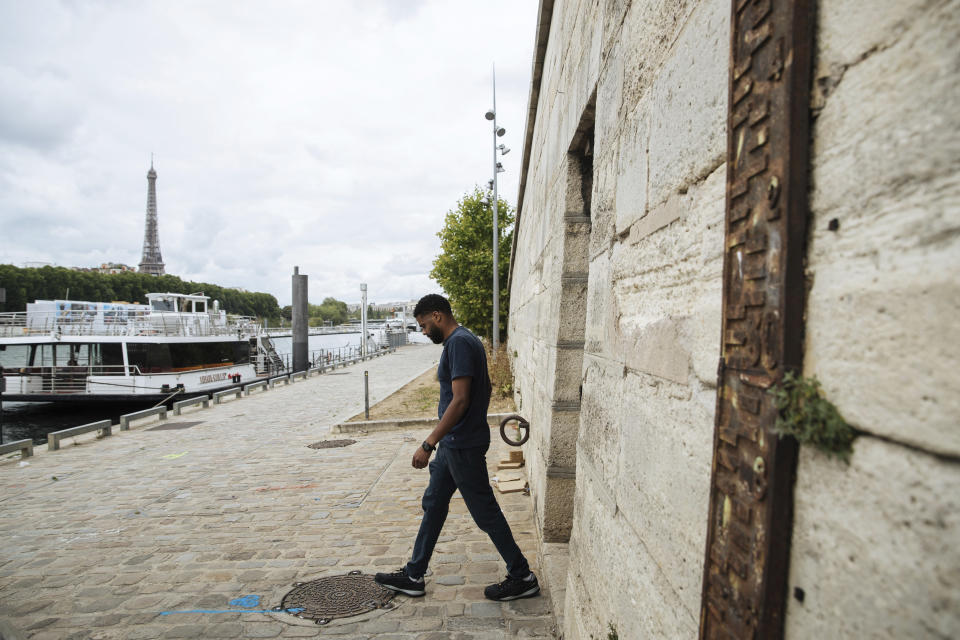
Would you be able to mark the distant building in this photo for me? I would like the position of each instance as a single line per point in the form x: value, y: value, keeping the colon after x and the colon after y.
x: 152, y: 261
x: 113, y: 267
x: 384, y: 306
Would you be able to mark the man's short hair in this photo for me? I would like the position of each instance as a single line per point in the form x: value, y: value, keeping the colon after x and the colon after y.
x: 430, y: 303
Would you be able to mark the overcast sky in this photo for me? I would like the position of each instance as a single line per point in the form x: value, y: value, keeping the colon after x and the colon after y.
x: 330, y: 135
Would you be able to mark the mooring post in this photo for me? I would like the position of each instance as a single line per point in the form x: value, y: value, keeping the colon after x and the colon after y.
x: 363, y: 319
x: 3, y: 387
x: 301, y: 320
x: 366, y: 395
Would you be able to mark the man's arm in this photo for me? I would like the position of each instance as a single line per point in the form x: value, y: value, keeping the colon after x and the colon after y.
x: 455, y: 411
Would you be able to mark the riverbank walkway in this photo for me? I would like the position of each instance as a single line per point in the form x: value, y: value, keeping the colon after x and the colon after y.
x: 198, y: 526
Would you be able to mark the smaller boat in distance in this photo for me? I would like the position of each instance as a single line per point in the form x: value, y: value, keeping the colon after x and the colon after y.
x: 174, y: 346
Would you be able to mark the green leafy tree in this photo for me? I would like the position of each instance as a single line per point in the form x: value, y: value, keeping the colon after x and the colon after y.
x: 464, y: 267
x: 330, y: 310
x: 54, y: 283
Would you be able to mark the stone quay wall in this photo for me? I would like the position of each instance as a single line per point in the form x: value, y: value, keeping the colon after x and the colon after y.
x: 615, y: 312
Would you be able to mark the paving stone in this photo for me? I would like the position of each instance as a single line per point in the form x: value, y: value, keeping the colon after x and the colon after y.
x: 537, y: 606
x: 380, y: 625
x: 469, y: 623
x: 142, y: 633
x: 534, y: 628
x: 486, y: 609
x: 42, y: 623
x: 185, y: 631
x: 224, y: 630
x: 225, y: 522
x: 100, y: 605
x: 296, y: 631
x: 342, y: 630
x: 421, y: 624
x: 262, y: 630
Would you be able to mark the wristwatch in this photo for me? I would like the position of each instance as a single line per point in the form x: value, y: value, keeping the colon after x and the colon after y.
x: 426, y: 446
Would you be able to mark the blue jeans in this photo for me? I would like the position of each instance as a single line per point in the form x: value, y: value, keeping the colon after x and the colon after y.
x: 466, y: 470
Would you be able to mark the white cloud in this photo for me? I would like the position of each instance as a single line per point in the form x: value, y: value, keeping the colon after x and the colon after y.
x: 329, y: 135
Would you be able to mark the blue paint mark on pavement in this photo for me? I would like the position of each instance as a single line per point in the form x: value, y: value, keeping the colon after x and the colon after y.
x: 246, y: 601
x: 243, y: 601
x: 293, y: 610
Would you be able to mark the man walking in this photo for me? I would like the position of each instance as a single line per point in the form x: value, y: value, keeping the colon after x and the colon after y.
x: 463, y: 437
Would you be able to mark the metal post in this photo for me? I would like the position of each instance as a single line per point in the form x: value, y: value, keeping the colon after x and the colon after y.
x: 301, y: 320
x: 363, y: 319
x: 3, y: 387
x: 366, y: 394
x: 749, y: 523
x: 496, y: 234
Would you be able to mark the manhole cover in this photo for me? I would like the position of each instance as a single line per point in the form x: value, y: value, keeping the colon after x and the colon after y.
x: 324, y: 599
x: 331, y: 444
x: 175, y: 425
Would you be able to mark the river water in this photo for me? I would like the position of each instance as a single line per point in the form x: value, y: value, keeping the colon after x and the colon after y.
x: 34, y: 420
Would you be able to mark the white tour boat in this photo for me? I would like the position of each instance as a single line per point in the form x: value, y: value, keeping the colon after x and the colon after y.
x: 173, y: 347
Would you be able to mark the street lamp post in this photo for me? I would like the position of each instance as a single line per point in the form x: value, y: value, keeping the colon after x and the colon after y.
x: 497, y: 168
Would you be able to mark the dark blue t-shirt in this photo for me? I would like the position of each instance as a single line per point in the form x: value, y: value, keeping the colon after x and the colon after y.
x: 463, y: 356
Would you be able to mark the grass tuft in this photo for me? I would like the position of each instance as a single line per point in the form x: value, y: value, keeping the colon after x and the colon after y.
x: 807, y: 415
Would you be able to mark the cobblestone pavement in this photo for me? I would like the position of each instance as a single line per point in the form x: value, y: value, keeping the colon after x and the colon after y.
x: 197, y: 532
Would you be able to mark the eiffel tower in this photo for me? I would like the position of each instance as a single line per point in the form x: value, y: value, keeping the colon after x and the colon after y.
x: 151, y: 262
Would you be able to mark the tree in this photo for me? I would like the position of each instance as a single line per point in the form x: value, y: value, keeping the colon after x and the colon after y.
x: 330, y: 310
x: 464, y: 267
x: 53, y: 283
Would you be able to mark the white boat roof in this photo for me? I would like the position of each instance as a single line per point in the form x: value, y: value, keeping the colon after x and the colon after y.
x: 198, y: 297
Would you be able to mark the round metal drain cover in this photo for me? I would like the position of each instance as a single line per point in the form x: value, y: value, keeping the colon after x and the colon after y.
x: 332, y: 597
x: 331, y: 444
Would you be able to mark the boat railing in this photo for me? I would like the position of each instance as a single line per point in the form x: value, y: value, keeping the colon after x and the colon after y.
x: 66, y: 379
x: 167, y: 324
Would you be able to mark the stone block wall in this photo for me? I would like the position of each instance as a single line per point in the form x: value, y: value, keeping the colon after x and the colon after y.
x: 874, y: 550
x: 631, y: 490
x: 646, y: 378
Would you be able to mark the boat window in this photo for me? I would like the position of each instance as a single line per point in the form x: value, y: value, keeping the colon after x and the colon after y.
x: 46, y: 355
x: 87, y: 355
x: 14, y: 356
x: 149, y: 358
x: 200, y: 306
x: 187, y: 355
x: 162, y: 305
x: 109, y: 354
x: 241, y: 352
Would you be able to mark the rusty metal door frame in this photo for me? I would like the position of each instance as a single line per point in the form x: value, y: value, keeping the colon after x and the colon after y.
x: 751, y: 492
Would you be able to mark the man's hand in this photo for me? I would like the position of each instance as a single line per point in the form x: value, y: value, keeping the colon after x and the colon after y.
x: 421, y: 458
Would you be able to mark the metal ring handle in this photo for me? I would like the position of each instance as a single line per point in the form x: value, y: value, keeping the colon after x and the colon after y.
x: 521, y: 424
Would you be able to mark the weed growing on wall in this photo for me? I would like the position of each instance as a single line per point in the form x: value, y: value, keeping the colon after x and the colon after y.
x: 807, y: 415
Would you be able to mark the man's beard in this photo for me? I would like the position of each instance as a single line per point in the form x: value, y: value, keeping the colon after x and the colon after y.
x: 436, y: 335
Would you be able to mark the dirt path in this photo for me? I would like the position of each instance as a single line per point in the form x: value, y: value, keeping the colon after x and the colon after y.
x: 418, y: 399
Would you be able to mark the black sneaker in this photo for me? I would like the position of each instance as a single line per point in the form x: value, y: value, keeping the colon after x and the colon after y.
x: 513, y: 589
x: 400, y: 581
